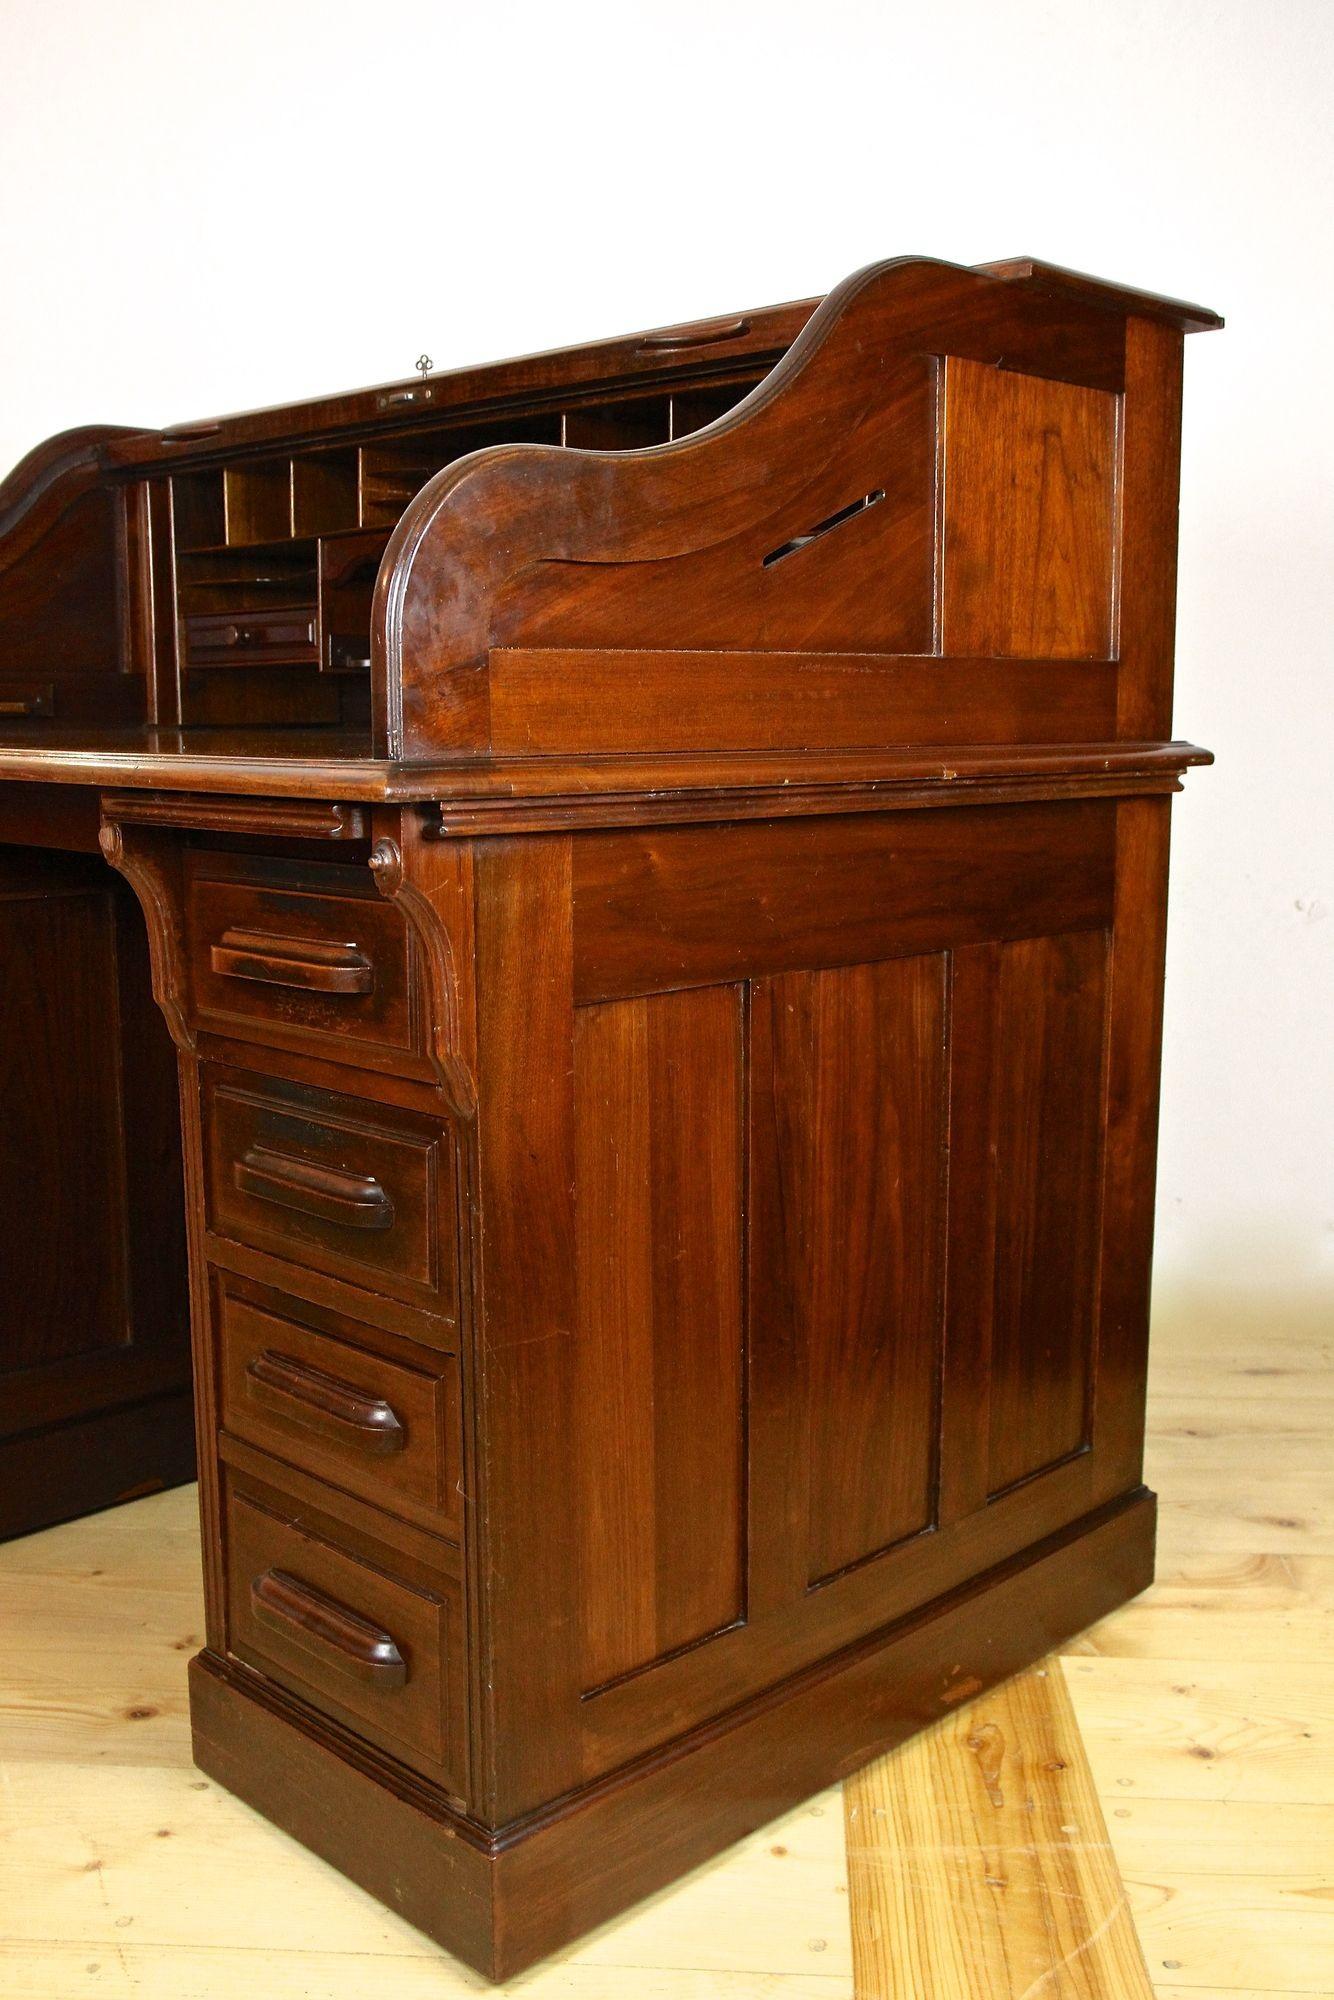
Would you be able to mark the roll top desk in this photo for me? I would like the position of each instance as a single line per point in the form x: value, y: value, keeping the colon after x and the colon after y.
x: 652, y: 860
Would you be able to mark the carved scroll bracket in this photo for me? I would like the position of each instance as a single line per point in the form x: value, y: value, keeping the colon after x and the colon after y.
x: 425, y: 885
x: 151, y: 866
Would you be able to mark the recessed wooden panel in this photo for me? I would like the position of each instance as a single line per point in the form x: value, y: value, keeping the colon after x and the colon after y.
x: 658, y: 908
x: 1029, y: 514
x: 61, y: 1160
x: 1028, y: 1032
x: 1050, y: 1004
x: 659, y: 1180
x: 847, y: 1254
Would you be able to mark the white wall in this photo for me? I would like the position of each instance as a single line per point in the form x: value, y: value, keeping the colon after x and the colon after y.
x: 209, y: 208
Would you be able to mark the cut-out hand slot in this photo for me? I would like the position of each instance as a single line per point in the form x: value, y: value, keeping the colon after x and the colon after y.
x: 847, y: 513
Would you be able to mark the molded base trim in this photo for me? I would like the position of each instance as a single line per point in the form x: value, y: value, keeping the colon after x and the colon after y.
x: 502, y: 1903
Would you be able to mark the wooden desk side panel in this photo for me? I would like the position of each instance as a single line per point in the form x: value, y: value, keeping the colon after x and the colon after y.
x: 795, y: 1245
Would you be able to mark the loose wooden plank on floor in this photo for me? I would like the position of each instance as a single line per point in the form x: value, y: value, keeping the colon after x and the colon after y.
x: 979, y: 1864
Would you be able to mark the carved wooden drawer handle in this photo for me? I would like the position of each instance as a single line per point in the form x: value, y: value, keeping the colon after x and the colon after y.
x: 696, y: 336
x: 323, y: 1626
x: 356, y: 1201
x: 307, y: 963
x: 320, y: 1402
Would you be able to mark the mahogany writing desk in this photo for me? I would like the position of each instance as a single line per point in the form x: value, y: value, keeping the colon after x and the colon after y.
x: 653, y: 862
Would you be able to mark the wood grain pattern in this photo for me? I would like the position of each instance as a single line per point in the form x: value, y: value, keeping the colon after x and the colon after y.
x: 847, y: 1201
x: 421, y: 1476
x: 653, y: 909
x: 659, y: 1166
x: 978, y: 1861
x: 1050, y: 1001
x: 1030, y: 469
x: 527, y: 1579
x: 1028, y: 1027
x: 592, y: 699
x: 321, y: 1179
x: 1150, y: 486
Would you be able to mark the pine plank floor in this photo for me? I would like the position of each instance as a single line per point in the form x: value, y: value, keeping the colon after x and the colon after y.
x: 1151, y: 1814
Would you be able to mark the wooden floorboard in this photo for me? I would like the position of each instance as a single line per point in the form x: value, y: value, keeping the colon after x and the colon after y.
x: 979, y: 1863
x: 1200, y: 1777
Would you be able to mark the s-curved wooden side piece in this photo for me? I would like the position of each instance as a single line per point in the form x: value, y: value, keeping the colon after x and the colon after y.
x: 806, y: 518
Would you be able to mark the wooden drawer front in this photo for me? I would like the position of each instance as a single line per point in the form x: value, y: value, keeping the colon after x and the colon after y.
x: 375, y: 1427
x: 281, y: 635
x: 381, y: 1656
x: 353, y: 1189
x: 296, y: 954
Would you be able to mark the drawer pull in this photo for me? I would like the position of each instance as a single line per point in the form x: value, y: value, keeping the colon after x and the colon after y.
x: 356, y: 1201
x: 323, y: 1626
x: 306, y: 963
x: 320, y: 1402
x: 300, y: 633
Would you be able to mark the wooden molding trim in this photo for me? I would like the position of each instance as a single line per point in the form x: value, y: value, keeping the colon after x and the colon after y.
x: 273, y: 819
x: 390, y: 873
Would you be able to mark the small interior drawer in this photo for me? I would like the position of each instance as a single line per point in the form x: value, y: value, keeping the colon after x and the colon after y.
x: 378, y: 1654
x: 336, y: 1184
x: 377, y: 1428
x: 279, y: 635
x: 302, y: 954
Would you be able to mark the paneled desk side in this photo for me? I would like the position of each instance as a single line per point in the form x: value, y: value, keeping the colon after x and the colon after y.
x: 668, y: 1089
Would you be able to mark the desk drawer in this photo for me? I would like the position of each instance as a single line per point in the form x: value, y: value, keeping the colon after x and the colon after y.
x: 335, y: 1184
x: 378, y: 1654
x: 302, y: 955
x: 279, y: 636
x: 377, y: 1428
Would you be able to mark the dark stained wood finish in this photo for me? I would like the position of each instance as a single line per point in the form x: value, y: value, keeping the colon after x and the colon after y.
x: 653, y: 910
x: 847, y: 1266
x: 371, y: 1650
x: 570, y: 703
x: 1029, y: 516
x: 504, y: 1905
x: 317, y: 1390
x: 654, y: 864
x: 361, y: 1193
x: 92, y: 1244
x: 659, y: 1166
x: 305, y: 956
